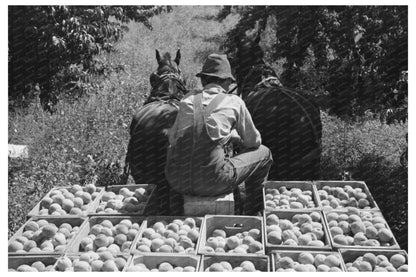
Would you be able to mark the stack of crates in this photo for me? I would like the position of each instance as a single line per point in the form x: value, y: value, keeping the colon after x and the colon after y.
x: 305, y: 226
x: 341, y: 221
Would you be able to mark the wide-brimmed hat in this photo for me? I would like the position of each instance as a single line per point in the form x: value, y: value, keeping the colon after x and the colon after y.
x: 218, y: 66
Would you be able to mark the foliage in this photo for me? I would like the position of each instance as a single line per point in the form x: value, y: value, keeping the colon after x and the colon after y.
x: 52, y: 48
x: 370, y: 151
x: 355, y: 54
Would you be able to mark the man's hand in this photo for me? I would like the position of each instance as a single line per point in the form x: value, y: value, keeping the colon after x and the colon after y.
x: 236, y: 141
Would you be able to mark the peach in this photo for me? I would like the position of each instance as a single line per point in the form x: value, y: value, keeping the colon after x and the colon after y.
x: 285, y: 262
x: 272, y: 219
x: 109, y: 266
x: 156, y: 244
x: 332, y: 260
x: 385, y: 235
x: 357, y: 227
x: 365, y: 266
x: 78, y: 202
x: 315, y: 216
x: 306, y: 258
x: 397, y: 260
x: 304, y: 239
x: 274, y: 237
x: 255, y: 246
x: 247, y: 266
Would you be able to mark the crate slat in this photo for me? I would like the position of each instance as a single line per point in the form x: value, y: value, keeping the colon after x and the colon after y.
x: 152, y: 260
x: 15, y: 261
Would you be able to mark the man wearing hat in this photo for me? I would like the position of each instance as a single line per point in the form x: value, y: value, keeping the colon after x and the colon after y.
x: 208, y: 121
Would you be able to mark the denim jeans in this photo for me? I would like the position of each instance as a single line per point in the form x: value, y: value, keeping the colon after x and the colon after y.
x: 252, y: 167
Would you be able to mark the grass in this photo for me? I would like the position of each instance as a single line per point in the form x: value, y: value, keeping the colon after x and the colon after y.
x: 86, y: 141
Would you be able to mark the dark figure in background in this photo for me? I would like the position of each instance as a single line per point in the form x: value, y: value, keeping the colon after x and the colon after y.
x: 146, y: 154
x: 289, y: 121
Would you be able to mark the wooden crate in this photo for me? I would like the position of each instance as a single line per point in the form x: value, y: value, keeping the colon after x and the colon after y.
x: 72, y: 257
x: 303, y: 185
x: 200, y: 206
x: 231, y: 225
x: 289, y: 215
x: 278, y: 254
x: 148, y: 207
x: 152, y: 260
x: 91, y: 206
x: 261, y: 262
x: 354, y: 184
x: 350, y: 255
x: 73, y: 221
x: 150, y: 220
x: 74, y: 247
x: 15, y: 261
x: 394, y: 245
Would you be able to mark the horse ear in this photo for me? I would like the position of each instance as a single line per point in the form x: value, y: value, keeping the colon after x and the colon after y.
x: 178, y: 57
x: 158, y: 59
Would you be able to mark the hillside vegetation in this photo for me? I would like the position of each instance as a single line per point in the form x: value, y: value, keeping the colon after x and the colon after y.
x: 86, y: 140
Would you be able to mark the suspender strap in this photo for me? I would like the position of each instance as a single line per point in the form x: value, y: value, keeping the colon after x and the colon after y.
x: 201, y: 114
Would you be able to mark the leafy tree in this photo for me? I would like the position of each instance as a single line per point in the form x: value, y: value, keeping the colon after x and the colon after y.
x: 51, y: 48
x: 356, y: 55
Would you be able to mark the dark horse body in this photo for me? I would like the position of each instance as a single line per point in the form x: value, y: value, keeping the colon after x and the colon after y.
x: 146, y: 154
x: 289, y: 122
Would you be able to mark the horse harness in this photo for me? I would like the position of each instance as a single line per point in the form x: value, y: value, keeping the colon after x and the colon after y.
x: 272, y: 81
x: 157, y: 81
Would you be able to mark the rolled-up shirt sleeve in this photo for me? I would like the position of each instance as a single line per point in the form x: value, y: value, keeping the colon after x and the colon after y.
x: 250, y: 136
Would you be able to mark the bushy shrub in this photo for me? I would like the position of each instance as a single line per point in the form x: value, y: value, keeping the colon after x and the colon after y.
x: 370, y: 151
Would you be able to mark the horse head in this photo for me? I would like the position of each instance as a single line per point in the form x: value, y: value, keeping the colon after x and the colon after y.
x: 167, y: 81
x: 257, y: 76
x: 249, y: 54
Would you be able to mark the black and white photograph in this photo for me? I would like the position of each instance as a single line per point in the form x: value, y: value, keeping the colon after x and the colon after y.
x: 203, y: 137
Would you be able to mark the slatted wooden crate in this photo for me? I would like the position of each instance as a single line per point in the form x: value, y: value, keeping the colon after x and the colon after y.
x: 200, y: 206
x: 303, y: 185
x: 319, y: 185
x: 74, y: 247
x: 146, y: 208
x: 48, y: 260
x: 151, y: 220
x: 335, y: 245
x: 261, y: 262
x: 276, y: 255
x: 152, y: 261
x: 73, y: 221
x: 288, y: 215
x: 350, y: 255
x: 90, y: 207
x: 232, y: 225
